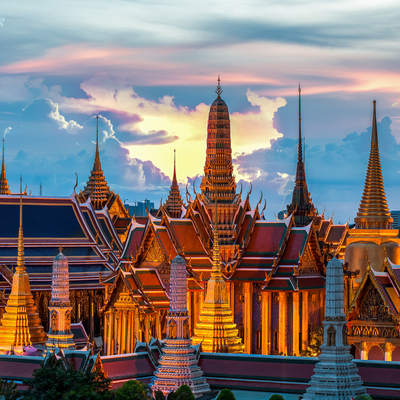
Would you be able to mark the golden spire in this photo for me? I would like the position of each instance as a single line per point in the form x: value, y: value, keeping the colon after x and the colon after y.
x: 96, y: 187
x: 216, y: 329
x: 173, y: 205
x: 4, y: 189
x: 373, y: 212
x: 20, y: 325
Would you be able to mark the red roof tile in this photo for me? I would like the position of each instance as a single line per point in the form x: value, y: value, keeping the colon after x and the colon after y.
x: 294, y: 246
x: 266, y: 238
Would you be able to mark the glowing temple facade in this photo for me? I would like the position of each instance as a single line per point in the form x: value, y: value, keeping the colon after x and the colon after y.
x: 263, y: 281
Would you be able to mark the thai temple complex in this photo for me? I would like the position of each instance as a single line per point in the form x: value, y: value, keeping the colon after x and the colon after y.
x: 209, y: 274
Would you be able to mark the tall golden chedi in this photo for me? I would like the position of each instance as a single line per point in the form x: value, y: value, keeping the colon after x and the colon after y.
x: 4, y: 189
x: 20, y: 325
x: 60, y: 307
x: 373, y: 233
x: 216, y: 328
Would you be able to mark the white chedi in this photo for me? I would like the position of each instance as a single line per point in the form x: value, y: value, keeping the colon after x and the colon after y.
x: 178, y: 361
x: 335, y: 373
x: 60, y: 308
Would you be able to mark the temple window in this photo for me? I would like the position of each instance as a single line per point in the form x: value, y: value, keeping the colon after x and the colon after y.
x: 331, y: 331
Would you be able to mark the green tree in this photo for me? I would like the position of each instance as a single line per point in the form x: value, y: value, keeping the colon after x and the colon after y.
x: 226, y: 394
x: 363, y: 397
x: 54, y: 382
x: 131, y: 390
x: 9, y: 390
x: 276, y: 397
x: 184, y: 393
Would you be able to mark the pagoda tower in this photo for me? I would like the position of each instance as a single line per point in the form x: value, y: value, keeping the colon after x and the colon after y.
x: 4, y: 189
x: 301, y: 206
x: 335, y: 373
x: 373, y: 234
x: 173, y: 205
x: 216, y: 329
x: 96, y: 187
x: 20, y: 325
x: 178, y: 361
x: 218, y: 182
x: 60, y: 307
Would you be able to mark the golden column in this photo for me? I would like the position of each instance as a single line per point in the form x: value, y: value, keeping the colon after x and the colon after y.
x: 248, y: 317
x: 20, y: 324
x: 296, y: 323
x: 147, y: 328
x: 266, y: 322
x: 388, y: 351
x: 282, y: 323
x: 304, y: 321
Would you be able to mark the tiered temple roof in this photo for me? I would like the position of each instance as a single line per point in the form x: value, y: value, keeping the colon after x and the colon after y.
x: 88, y: 237
x: 373, y: 212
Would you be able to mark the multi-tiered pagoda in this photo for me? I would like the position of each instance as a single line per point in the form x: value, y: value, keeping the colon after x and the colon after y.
x: 60, y: 306
x: 335, y: 374
x: 178, y: 361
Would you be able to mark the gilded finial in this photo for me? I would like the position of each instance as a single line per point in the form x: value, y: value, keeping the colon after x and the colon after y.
x: 60, y: 249
x: 219, y: 89
x: 368, y: 263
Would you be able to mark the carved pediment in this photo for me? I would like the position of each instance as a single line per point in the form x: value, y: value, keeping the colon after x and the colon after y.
x: 307, y: 263
x: 154, y: 254
x: 373, y: 307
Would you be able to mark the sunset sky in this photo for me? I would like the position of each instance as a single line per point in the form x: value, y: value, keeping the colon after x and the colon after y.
x: 149, y: 70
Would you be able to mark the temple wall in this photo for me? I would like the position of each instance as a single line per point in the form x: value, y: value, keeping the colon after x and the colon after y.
x: 257, y: 331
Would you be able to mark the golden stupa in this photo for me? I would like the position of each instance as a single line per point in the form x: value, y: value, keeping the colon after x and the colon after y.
x: 373, y: 234
x: 216, y: 329
x: 20, y: 325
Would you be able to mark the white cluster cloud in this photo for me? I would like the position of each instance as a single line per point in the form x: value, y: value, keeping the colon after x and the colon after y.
x: 71, y: 126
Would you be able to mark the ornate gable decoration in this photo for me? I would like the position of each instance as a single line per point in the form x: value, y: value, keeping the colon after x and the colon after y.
x: 373, y: 308
x: 154, y: 254
x: 307, y: 263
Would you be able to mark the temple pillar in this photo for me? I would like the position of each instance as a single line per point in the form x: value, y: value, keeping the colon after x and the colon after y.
x: 197, y: 299
x: 137, y: 323
x: 133, y: 330
x: 282, y: 343
x: 266, y: 322
x: 91, y: 316
x: 364, y: 351
x: 304, y: 321
x: 147, y: 328
x: 388, y: 351
x: 248, y: 320
x: 189, y: 307
x: 296, y: 323
x: 228, y: 292
x: 322, y: 305
x: 129, y: 332
x: 115, y: 339
x: 119, y: 335
x: 233, y: 298
x: 78, y: 307
x: 106, y: 328
x: 158, y: 325
x: 124, y: 331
